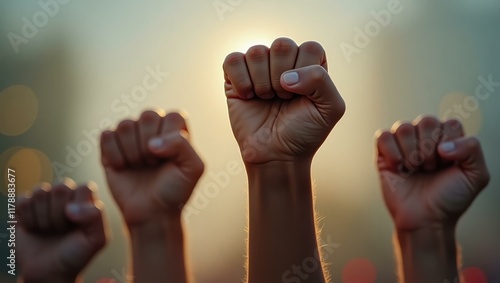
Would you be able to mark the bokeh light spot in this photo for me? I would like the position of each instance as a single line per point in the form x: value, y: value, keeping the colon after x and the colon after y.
x: 18, y: 110
x: 474, y: 275
x: 465, y: 108
x: 31, y: 168
x: 359, y: 270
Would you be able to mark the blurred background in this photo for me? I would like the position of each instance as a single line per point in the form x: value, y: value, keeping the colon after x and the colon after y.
x: 69, y: 69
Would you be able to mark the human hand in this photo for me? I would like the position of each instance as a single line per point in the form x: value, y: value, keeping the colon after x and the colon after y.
x: 282, y: 102
x: 430, y: 173
x: 150, y: 166
x: 60, y: 230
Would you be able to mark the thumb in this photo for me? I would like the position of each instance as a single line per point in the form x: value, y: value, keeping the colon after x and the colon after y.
x: 83, y: 213
x: 315, y: 83
x: 76, y: 251
x: 468, y: 154
x: 176, y: 147
x: 88, y: 217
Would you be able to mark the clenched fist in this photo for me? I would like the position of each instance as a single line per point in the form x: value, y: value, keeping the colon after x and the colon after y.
x: 150, y: 166
x: 430, y: 172
x: 61, y: 229
x: 282, y: 102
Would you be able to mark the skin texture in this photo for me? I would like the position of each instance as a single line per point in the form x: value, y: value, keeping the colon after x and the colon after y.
x: 263, y: 108
x: 430, y: 174
x: 60, y: 230
x: 282, y: 105
x: 152, y: 169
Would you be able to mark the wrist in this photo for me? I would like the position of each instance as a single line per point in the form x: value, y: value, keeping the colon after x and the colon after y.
x: 272, y: 164
x: 429, y: 254
x: 280, y: 176
x: 427, y: 239
x: 157, y: 228
x: 280, y: 187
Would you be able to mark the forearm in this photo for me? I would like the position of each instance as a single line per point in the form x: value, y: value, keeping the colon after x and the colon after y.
x: 428, y: 255
x: 282, y: 240
x: 158, y: 252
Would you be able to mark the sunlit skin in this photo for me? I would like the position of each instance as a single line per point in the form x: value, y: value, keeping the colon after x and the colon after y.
x: 273, y: 121
x: 282, y: 106
x: 152, y: 169
x: 60, y: 230
x: 430, y: 174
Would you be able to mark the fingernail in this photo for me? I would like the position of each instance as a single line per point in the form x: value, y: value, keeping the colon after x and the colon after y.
x: 291, y: 78
x: 447, y: 146
x: 156, y: 143
x: 74, y: 208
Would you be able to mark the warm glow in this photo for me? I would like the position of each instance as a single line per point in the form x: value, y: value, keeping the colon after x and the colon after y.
x: 84, y: 72
x: 18, y: 110
x: 474, y: 275
x: 32, y: 167
x: 244, y: 41
x: 359, y: 270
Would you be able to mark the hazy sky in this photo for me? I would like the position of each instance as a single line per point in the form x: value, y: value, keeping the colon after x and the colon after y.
x: 69, y: 70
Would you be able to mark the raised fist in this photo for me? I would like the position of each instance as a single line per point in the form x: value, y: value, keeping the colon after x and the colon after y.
x: 150, y: 166
x: 282, y: 102
x: 430, y: 172
x: 60, y: 230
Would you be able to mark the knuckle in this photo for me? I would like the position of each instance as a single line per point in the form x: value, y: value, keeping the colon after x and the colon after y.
x: 453, y: 124
x: 70, y: 183
x: 149, y: 115
x: 61, y: 190
x: 257, y: 53
x: 402, y: 128
x: 106, y: 136
x: 125, y: 126
x: 383, y: 136
x: 312, y: 47
x: 234, y: 59
x: 39, y: 192
x: 427, y: 121
x: 84, y: 190
x: 283, y: 46
x: 174, y: 118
